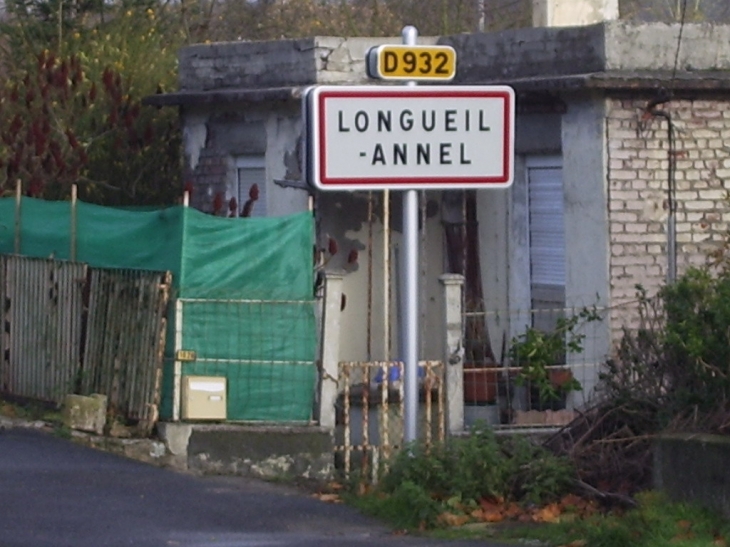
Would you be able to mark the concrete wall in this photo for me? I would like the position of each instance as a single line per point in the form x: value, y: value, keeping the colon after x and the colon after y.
x: 345, y: 216
x: 654, y: 47
x: 637, y: 178
x: 504, y: 241
x: 693, y: 468
x: 551, y: 52
x: 527, y: 52
x: 215, y: 137
x: 586, y: 228
x: 281, y: 63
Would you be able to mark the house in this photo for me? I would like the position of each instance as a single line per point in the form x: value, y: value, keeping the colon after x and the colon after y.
x: 622, y: 147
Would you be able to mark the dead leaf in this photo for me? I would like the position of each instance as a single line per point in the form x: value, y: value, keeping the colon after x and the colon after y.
x: 489, y: 504
x: 549, y: 513
x: 512, y: 511
x: 335, y: 486
x: 684, y: 525
x: 572, y: 501
x: 492, y: 510
x: 452, y: 520
x: 329, y: 498
x: 477, y: 514
x: 576, y: 543
x: 493, y: 516
x: 720, y: 542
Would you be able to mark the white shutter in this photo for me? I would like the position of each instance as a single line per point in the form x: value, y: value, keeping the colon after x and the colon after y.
x: 547, y: 228
x: 251, y: 170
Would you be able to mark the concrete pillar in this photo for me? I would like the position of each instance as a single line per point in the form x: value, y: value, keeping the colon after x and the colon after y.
x: 453, y: 352
x: 330, y: 349
x: 570, y: 13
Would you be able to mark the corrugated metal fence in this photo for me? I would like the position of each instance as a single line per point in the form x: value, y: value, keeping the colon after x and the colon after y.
x: 68, y: 328
x: 125, y: 340
x: 42, y: 308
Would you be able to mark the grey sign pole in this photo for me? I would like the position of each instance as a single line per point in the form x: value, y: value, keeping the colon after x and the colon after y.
x: 409, y: 292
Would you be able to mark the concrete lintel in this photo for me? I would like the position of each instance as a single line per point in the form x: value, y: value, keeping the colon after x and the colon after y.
x: 218, y: 96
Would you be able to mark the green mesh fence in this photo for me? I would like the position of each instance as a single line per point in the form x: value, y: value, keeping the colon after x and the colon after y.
x: 244, y: 287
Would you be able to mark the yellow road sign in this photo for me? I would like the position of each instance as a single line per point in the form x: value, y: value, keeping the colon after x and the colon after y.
x: 400, y: 62
x: 186, y: 355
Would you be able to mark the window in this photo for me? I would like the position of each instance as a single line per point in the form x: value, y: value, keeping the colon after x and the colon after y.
x: 250, y: 171
x: 546, y: 239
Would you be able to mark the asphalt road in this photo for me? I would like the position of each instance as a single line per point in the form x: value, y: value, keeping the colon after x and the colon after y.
x: 54, y: 493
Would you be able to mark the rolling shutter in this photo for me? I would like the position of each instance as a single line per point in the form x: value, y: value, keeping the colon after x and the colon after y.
x: 547, y: 228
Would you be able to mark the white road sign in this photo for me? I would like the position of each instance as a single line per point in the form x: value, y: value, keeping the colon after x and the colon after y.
x: 425, y: 137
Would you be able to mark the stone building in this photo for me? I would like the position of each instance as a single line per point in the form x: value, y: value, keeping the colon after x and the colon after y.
x: 605, y: 196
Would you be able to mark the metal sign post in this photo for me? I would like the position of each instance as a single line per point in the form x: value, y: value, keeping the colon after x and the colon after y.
x: 409, y: 292
x: 409, y: 138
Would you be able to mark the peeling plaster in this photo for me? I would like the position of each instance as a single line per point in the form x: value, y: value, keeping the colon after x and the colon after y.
x: 338, y: 56
x: 195, y: 135
x: 272, y: 467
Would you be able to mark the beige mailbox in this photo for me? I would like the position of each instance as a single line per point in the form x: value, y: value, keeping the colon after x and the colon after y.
x: 204, y: 398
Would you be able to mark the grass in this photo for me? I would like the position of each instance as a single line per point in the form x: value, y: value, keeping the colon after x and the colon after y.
x: 35, y: 411
x: 656, y: 522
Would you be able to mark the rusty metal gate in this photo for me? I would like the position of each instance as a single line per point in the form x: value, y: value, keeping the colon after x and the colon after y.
x: 369, y: 419
x: 125, y: 340
x: 42, y: 301
x: 68, y: 328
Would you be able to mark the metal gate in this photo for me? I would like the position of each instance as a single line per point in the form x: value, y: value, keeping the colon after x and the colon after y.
x: 68, y: 328
x: 42, y: 301
x: 370, y: 407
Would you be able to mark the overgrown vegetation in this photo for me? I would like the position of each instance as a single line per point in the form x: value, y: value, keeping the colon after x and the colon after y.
x: 537, y: 352
x: 426, y: 488
x: 655, y: 522
x: 671, y: 373
x: 72, y: 108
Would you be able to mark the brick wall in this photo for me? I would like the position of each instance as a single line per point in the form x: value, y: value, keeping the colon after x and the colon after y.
x: 637, y: 186
x: 208, y: 179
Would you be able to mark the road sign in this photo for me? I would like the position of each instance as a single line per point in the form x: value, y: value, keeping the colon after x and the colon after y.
x: 425, y: 137
x: 400, y: 62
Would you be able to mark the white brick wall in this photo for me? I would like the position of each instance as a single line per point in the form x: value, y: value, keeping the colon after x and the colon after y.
x: 637, y: 150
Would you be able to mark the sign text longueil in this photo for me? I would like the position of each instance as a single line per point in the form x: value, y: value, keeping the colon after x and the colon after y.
x: 365, y: 138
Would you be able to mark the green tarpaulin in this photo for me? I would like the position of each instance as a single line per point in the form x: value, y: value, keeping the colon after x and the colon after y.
x: 245, y: 286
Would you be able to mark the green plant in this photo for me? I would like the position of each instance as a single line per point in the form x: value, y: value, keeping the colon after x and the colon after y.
x: 539, y: 353
x: 675, y: 366
x: 468, y: 468
x: 656, y: 522
x: 534, y: 474
x: 453, y: 477
x: 408, y: 506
